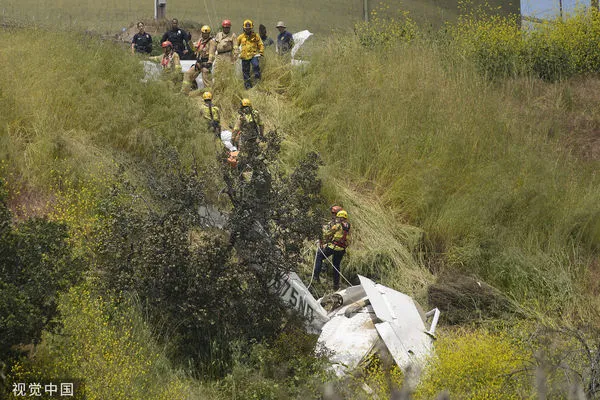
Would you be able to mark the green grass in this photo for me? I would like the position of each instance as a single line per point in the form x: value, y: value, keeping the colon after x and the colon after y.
x: 471, y: 162
x: 316, y: 16
x: 495, y: 173
x: 86, y: 110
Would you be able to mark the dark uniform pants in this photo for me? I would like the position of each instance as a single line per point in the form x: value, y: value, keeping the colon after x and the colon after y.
x: 246, y: 64
x: 337, y: 260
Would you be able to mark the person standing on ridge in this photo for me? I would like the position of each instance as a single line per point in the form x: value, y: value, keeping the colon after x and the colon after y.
x: 205, y: 56
x: 251, y: 48
x: 177, y: 37
x: 338, y: 239
x: 142, y: 41
x: 262, y: 31
x: 211, y: 113
x: 226, y: 45
x: 248, y: 120
x: 285, y: 40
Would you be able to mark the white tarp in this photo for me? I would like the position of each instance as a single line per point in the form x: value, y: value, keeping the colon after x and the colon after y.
x: 299, y: 39
x: 152, y: 71
x: 226, y: 136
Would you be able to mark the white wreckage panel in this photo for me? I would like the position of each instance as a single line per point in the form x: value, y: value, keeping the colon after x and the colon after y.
x: 293, y: 292
x: 349, y: 339
x: 371, y: 311
x: 402, y: 328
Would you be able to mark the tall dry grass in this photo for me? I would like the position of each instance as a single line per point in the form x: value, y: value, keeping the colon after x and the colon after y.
x: 482, y: 167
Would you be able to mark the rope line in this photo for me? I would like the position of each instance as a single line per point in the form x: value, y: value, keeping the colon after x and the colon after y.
x: 321, y: 250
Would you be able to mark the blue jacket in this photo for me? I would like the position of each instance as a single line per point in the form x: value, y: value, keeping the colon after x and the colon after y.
x: 285, y: 42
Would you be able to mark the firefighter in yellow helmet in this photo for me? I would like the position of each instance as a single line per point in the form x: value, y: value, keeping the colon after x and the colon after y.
x: 324, y: 239
x: 338, y: 238
x: 211, y: 113
x: 205, y: 56
x: 251, y: 48
x: 249, y: 121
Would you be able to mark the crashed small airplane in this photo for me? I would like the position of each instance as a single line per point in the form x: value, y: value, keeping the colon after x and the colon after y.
x: 364, y: 318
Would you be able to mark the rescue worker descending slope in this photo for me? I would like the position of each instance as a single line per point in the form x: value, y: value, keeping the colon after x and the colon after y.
x: 249, y: 121
x: 338, y: 239
x: 211, y: 113
x: 205, y: 56
x: 251, y: 48
x: 324, y: 239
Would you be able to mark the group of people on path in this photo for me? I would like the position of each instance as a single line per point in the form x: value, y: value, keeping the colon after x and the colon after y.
x: 223, y: 50
x: 248, y: 120
x: 220, y: 50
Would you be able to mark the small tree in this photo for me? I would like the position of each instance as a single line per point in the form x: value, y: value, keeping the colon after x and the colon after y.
x: 36, y: 262
x: 208, y: 285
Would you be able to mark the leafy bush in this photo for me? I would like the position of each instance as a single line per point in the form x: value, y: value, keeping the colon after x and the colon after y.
x: 209, y: 285
x: 36, y: 263
x: 285, y: 368
x: 107, y: 348
x: 554, y: 50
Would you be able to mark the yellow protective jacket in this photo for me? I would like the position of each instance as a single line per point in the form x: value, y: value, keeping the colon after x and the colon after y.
x: 339, y: 235
x: 253, y: 116
x: 250, y: 45
x: 325, y: 230
x: 216, y: 113
x: 170, y: 62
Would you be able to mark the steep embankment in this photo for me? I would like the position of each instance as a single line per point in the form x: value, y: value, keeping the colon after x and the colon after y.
x: 488, y: 170
x: 83, y: 109
x: 410, y: 134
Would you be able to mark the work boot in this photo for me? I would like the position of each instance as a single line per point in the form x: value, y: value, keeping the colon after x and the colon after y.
x: 317, y: 279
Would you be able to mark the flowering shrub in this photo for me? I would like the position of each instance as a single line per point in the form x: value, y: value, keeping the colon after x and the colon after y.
x: 474, y: 365
x: 554, y: 50
x: 385, y: 31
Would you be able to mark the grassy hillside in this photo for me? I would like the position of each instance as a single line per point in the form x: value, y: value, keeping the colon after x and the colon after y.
x: 488, y: 170
x: 317, y: 16
x: 443, y: 171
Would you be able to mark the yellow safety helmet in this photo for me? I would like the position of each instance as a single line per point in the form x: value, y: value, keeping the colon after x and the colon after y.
x: 205, y: 29
x: 248, y: 23
x: 342, y: 214
x: 246, y: 103
x: 207, y: 96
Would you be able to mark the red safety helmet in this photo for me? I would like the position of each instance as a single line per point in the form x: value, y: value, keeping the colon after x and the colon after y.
x: 226, y: 23
x: 166, y: 43
x: 335, y: 209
